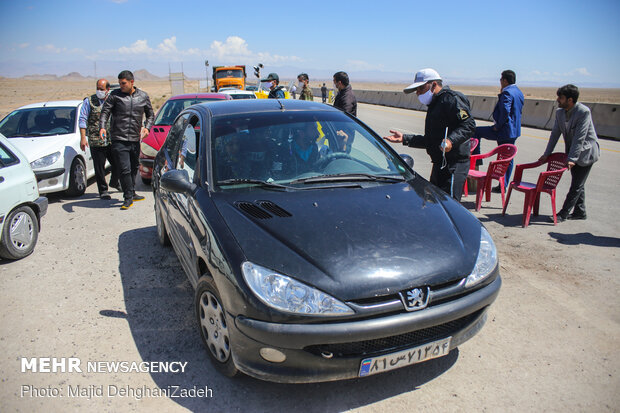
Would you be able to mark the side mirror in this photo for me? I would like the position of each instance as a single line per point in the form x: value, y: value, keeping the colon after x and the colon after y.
x: 177, y: 180
x: 408, y: 159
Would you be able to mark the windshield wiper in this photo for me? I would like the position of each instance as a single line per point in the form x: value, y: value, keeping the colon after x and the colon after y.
x: 349, y: 177
x: 264, y: 184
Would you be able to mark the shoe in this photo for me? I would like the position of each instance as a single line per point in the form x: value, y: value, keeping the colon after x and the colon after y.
x: 105, y: 195
x: 560, y: 217
x: 127, y: 204
x: 577, y: 216
x: 137, y: 197
x: 497, y: 189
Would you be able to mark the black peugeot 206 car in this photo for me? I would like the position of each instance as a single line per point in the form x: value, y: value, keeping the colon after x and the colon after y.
x: 316, y: 252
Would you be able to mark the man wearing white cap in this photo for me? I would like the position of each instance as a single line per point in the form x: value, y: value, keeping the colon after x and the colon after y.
x: 447, y: 130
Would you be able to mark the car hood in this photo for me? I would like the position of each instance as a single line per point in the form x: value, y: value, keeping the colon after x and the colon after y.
x: 356, y: 243
x: 40, y: 146
x: 157, y: 136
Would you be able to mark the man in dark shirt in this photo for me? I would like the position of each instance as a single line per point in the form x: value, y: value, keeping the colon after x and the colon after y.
x: 127, y: 105
x: 345, y: 99
x: 447, y: 130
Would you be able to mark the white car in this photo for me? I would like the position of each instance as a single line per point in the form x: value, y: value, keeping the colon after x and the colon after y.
x: 21, y: 207
x: 238, y: 93
x: 48, y: 134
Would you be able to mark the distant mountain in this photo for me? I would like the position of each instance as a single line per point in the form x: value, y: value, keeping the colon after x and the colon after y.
x: 72, y: 76
x: 40, y: 77
x: 145, y: 75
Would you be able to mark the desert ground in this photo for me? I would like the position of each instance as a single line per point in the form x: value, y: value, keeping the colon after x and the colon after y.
x: 18, y: 92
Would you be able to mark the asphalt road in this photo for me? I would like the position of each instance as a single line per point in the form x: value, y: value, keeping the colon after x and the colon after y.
x: 100, y: 288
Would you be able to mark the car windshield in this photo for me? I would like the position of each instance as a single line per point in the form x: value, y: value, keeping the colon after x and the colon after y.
x: 222, y: 74
x: 35, y: 122
x: 171, y: 109
x: 299, y: 150
x: 242, y: 96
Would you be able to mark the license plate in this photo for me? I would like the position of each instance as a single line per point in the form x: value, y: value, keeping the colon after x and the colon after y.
x: 404, y: 358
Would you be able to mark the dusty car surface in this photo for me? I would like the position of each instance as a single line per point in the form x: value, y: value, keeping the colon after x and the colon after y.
x: 316, y: 252
x: 21, y: 207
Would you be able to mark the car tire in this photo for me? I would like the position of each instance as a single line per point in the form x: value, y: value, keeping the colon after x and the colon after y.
x: 146, y: 181
x: 77, y: 178
x: 162, y: 234
x: 19, y: 234
x: 213, y: 326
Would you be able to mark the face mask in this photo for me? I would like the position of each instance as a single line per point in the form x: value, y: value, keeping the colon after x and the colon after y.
x: 101, y: 94
x: 426, y: 98
x: 266, y: 85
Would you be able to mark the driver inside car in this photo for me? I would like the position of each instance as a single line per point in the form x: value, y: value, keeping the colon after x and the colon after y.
x: 303, y: 148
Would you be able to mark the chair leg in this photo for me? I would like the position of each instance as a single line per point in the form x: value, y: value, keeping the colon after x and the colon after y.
x: 487, y: 188
x: 465, y: 193
x: 537, y: 203
x: 479, y: 195
x: 507, y: 200
x: 555, y: 217
x: 527, y: 208
x: 502, y: 188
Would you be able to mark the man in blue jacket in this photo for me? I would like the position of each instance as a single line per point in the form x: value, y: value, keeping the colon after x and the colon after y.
x: 507, y: 117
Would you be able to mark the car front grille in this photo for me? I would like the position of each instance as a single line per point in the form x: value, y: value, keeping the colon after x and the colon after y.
x: 394, y: 343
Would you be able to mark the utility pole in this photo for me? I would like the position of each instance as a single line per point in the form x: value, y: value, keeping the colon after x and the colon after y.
x: 207, y: 72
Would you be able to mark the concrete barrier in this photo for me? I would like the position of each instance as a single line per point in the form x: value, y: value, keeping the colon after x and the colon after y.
x: 482, y: 106
x: 538, y: 113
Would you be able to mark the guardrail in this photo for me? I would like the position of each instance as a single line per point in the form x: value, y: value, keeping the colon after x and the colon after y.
x: 537, y: 113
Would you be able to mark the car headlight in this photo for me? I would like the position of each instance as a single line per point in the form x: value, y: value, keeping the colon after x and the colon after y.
x: 486, y: 262
x: 45, y: 161
x: 286, y: 294
x: 148, y: 150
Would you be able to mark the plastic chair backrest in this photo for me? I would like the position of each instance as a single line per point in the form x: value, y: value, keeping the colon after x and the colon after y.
x: 555, y: 162
x: 505, y: 153
x: 473, y: 143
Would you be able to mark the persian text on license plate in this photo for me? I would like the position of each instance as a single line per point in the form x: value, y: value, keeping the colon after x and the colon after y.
x: 404, y: 358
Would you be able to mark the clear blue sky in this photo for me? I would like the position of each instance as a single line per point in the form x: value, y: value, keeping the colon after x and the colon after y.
x: 472, y: 41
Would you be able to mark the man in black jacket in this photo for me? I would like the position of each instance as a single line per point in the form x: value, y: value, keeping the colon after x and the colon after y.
x: 447, y: 130
x: 127, y: 105
x: 345, y: 99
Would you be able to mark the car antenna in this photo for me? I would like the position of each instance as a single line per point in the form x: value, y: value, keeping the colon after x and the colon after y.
x: 52, y: 95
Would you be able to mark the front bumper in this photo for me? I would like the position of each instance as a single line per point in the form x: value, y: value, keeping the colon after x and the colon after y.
x: 302, y: 343
x: 41, y: 203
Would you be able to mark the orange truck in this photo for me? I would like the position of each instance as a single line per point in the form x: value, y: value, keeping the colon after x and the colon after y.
x: 229, y: 76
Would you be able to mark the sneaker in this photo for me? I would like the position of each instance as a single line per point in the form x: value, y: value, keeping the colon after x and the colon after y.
x: 127, y: 204
x: 577, y: 216
x: 105, y: 195
x: 560, y: 217
x: 137, y: 197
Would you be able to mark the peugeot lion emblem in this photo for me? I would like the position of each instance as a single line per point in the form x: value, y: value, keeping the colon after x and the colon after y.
x: 415, y: 299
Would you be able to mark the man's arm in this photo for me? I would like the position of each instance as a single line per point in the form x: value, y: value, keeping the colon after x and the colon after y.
x: 582, y: 123
x: 105, y: 115
x: 504, y: 105
x: 84, y: 112
x: 465, y: 124
x: 413, y: 141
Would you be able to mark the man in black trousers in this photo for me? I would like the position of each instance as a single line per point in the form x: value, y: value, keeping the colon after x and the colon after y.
x: 127, y: 105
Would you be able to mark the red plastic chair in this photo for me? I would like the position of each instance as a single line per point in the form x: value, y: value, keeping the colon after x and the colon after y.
x: 496, y: 170
x: 473, y: 142
x: 547, y: 182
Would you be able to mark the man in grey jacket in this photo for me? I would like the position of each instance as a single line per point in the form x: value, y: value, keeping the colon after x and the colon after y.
x: 127, y: 105
x: 574, y: 121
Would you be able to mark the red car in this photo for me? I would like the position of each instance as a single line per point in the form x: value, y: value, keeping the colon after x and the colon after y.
x: 163, y: 121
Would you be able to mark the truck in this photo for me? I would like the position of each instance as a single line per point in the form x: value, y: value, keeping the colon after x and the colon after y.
x: 229, y: 76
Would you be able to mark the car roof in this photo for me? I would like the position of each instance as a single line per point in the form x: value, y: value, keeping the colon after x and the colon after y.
x: 236, y: 92
x: 200, y: 96
x: 53, y: 103
x: 262, y: 105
